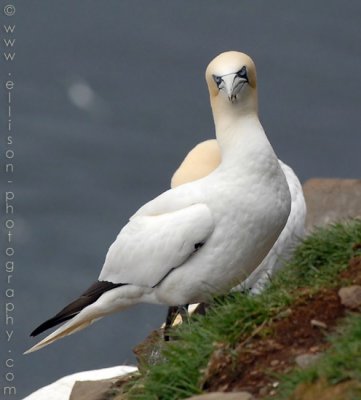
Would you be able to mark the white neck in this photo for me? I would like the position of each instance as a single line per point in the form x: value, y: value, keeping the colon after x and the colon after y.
x: 241, y: 138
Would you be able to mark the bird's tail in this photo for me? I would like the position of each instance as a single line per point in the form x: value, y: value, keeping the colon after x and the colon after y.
x: 88, y: 308
x: 65, y: 330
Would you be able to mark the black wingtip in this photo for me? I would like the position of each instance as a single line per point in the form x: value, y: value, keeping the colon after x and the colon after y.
x: 71, y: 310
x: 50, y: 323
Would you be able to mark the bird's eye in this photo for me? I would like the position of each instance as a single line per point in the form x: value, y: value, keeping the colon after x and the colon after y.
x: 217, y: 79
x: 242, y: 73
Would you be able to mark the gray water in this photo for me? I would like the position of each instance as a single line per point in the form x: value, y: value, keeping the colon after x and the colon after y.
x: 109, y: 96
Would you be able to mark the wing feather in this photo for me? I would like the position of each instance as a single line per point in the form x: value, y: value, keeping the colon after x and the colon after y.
x: 149, y: 247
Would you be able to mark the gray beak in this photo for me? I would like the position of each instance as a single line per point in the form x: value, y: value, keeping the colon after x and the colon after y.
x: 233, y: 85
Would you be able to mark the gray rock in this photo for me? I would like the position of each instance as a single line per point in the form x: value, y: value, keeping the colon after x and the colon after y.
x: 330, y: 200
x: 306, y: 360
x: 350, y: 296
x: 223, y: 396
x: 91, y: 390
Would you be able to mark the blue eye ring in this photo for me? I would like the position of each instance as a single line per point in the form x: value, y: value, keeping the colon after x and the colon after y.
x: 242, y: 73
x: 217, y: 79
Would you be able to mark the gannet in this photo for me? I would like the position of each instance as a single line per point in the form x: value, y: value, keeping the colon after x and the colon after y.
x: 201, y: 161
x: 203, y: 237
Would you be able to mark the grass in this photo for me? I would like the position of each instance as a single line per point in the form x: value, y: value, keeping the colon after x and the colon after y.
x: 316, y: 263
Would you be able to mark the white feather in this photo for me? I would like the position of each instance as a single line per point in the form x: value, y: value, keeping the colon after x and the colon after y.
x: 149, y: 247
x: 238, y: 212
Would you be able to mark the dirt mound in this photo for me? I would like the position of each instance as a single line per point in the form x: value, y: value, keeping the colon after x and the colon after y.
x: 273, y: 348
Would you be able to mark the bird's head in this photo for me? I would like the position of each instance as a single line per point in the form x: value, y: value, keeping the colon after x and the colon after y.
x: 231, y: 79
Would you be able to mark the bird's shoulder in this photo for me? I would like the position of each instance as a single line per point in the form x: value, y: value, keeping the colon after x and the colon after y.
x: 172, y: 200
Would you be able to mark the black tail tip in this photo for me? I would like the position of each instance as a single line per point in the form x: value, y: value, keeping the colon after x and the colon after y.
x: 41, y: 328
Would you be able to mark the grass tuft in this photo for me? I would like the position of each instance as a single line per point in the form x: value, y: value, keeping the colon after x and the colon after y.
x: 322, y: 255
x: 232, y: 319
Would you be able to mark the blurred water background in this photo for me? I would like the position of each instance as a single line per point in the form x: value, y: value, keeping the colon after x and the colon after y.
x: 109, y: 97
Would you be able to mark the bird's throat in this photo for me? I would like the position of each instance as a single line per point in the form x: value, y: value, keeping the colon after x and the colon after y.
x: 240, y: 137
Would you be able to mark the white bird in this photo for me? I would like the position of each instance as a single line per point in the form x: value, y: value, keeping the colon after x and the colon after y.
x: 203, y: 237
x: 203, y: 159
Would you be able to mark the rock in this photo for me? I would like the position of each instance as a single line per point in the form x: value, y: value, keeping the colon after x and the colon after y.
x: 223, y: 396
x: 330, y: 200
x: 102, y: 389
x: 91, y: 390
x: 350, y: 296
x: 148, y: 352
x: 61, y: 389
x: 318, y: 324
x: 306, y: 360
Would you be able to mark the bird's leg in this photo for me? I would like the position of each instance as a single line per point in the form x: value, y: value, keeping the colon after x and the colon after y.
x: 171, y: 316
x: 183, y: 312
x: 171, y: 320
x: 201, y: 309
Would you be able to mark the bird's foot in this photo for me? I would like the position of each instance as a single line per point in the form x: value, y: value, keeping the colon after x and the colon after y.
x: 175, y: 316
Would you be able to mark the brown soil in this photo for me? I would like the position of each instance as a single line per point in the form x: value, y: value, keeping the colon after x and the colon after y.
x: 253, y: 364
x: 353, y: 273
x: 321, y: 390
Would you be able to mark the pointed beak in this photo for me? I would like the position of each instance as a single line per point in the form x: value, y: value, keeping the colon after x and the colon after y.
x: 232, y: 85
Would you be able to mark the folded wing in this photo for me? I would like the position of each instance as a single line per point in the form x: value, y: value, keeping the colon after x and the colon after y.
x: 150, y: 247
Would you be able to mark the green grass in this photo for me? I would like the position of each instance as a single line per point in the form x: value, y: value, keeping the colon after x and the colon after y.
x: 321, y: 256
x: 315, y: 264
